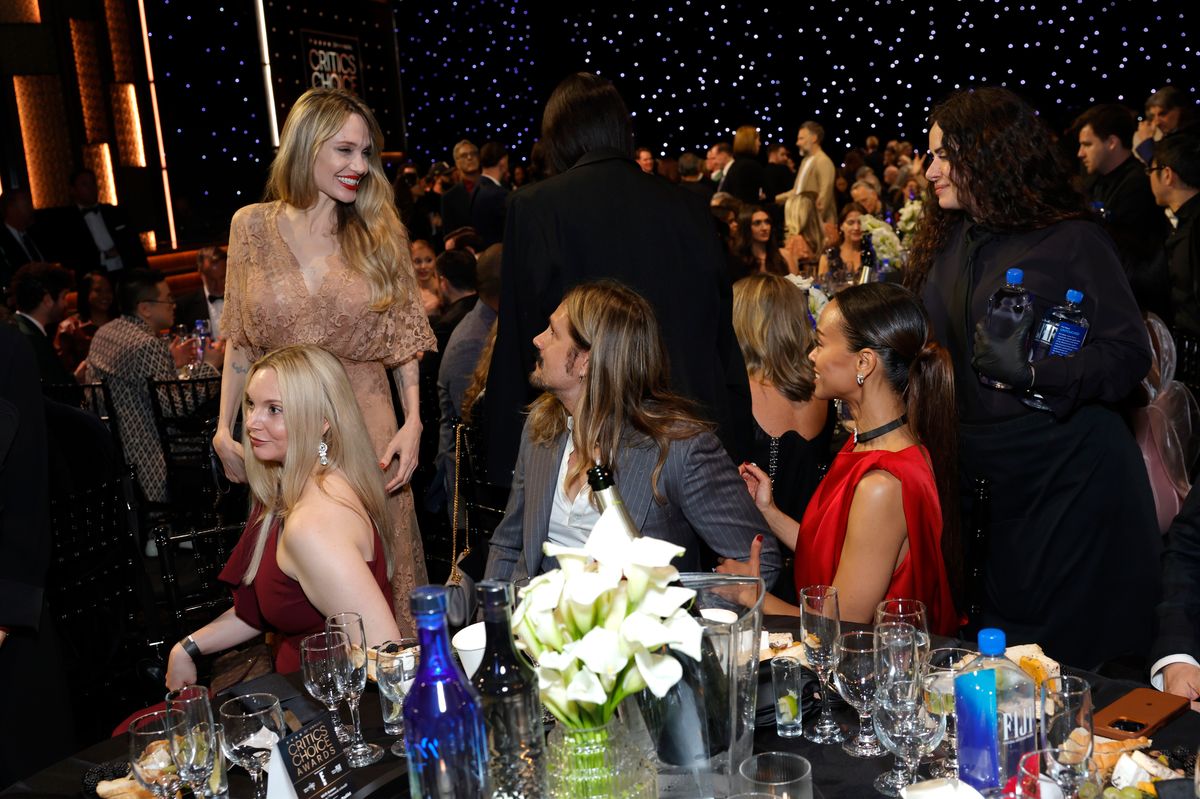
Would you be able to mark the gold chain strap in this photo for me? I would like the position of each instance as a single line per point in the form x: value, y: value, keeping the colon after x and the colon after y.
x: 455, y: 575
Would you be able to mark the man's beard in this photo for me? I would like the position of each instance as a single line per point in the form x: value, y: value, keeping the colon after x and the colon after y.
x: 536, y: 378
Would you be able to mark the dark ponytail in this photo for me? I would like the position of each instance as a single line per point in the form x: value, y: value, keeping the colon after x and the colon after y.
x: 890, y: 320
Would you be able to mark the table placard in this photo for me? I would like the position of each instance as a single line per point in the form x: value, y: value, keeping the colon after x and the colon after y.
x: 310, y: 764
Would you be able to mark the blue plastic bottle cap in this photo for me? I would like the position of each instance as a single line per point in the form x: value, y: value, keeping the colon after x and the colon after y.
x: 1075, y: 297
x: 991, y: 640
x: 1015, y: 276
x: 428, y: 599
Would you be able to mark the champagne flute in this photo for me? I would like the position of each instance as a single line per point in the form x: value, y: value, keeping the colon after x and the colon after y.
x: 939, y: 699
x: 324, y: 663
x: 855, y: 680
x: 194, y: 748
x: 150, y: 751
x: 395, y: 668
x: 360, y: 753
x: 253, y: 725
x: 909, y: 611
x: 821, y: 625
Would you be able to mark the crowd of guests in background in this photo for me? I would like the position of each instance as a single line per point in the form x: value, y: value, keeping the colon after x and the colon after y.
x: 735, y: 267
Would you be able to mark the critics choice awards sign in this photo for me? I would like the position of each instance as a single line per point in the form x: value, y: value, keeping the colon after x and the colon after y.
x: 331, y: 61
x: 314, y: 765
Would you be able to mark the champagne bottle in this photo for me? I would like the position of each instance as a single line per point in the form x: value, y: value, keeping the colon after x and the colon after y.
x: 600, y: 480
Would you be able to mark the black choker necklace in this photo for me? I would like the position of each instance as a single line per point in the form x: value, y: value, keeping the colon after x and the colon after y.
x: 859, y: 438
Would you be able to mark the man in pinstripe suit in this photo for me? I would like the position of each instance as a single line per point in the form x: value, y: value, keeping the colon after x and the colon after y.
x: 603, y: 368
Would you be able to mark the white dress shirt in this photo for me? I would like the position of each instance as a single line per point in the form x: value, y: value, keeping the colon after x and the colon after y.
x: 571, y: 522
x: 102, y: 237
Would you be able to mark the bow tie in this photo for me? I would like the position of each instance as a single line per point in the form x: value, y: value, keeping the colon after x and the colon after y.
x: 95, y: 209
x: 215, y: 297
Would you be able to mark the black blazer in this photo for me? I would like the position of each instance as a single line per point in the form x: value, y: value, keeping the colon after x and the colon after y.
x: 12, y: 254
x: 456, y: 208
x: 487, y: 211
x: 190, y: 307
x: 71, y: 244
x: 744, y: 180
x: 605, y: 218
x: 50, y: 367
x: 1178, y: 631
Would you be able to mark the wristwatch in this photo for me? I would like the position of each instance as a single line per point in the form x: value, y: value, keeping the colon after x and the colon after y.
x: 192, y: 648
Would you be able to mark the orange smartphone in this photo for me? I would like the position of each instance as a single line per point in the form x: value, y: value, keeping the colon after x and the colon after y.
x: 1139, y: 712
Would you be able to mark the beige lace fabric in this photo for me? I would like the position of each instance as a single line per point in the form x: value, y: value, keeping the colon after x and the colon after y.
x: 268, y: 305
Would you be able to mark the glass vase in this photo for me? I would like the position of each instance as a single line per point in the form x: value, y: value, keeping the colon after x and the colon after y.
x: 597, y: 763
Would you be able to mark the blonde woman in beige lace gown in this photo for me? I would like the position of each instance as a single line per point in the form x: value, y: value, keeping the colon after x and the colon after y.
x: 327, y: 262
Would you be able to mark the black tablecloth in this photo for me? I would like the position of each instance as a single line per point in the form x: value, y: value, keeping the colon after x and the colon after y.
x: 835, y: 774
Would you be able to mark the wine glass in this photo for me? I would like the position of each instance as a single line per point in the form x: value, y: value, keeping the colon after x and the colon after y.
x: 194, y: 747
x: 855, y: 680
x: 360, y: 753
x: 150, y: 751
x: 324, y: 661
x: 821, y: 626
x: 939, y: 699
x: 909, y: 611
x: 395, y: 668
x: 904, y: 725
x: 1058, y: 772
x: 253, y: 725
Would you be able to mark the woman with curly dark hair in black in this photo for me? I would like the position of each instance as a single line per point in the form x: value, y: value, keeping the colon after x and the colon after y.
x: 1072, y: 514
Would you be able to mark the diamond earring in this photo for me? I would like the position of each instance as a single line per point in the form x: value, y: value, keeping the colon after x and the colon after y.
x: 858, y: 378
x: 323, y: 453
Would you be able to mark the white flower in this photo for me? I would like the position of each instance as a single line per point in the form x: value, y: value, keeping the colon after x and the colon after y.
x: 665, y: 600
x: 659, y: 671
x: 602, y: 652
x: 686, y: 633
x: 585, y: 687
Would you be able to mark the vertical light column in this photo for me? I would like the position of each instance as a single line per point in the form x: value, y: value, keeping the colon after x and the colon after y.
x: 43, y: 120
x: 260, y: 17
x: 162, y: 153
x: 98, y: 158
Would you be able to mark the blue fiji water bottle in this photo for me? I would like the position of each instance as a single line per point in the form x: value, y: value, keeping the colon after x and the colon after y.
x: 203, y: 335
x: 995, y: 715
x: 1062, y: 331
x: 1007, y: 308
x: 443, y: 721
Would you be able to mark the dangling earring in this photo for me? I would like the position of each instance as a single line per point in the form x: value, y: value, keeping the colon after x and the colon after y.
x: 858, y: 378
x: 323, y: 453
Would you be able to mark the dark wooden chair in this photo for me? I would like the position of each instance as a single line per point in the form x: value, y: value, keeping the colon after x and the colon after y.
x: 185, y: 415
x: 190, y: 562
x: 102, y: 604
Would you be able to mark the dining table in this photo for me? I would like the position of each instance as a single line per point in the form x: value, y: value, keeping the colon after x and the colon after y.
x: 836, y: 775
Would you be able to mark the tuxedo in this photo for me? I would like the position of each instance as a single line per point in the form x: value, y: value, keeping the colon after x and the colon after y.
x: 704, y: 499
x: 487, y: 210
x: 605, y: 218
x: 50, y: 367
x: 71, y: 243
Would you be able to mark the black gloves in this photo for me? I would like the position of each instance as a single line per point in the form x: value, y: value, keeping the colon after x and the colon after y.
x: 1007, y: 359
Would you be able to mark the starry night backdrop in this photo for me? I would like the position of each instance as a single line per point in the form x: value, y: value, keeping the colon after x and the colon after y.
x: 691, y: 72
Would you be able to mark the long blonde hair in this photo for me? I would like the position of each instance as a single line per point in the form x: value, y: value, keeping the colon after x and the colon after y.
x: 314, y: 389
x: 372, y: 238
x: 771, y: 323
x: 627, y: 382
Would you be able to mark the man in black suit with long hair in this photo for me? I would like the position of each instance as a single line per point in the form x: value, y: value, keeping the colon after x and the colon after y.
x: 600, y: 216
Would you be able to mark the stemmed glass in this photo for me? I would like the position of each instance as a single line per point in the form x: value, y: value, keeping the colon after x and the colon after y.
x: 360, y: 753
x: 194, y: 748
x: 903, y: 724
x: 1069, y: 771
x: 253, y: 724
x: 909, y: 611
x: 855, y: 680
x: 939, y: 700
x: 324, y: 662
x: 395, y: 668
x: 150, y: 751
x: 821, y: 625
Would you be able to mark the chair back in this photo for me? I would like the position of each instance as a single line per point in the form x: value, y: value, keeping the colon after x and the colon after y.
x: 102, y: 603
x: 95, y: 398
x: 189, y: 574
x: 477, y: 506
x: 185, y: 416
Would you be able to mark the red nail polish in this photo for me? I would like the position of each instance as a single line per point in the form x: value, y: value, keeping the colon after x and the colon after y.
x: 758, y: 538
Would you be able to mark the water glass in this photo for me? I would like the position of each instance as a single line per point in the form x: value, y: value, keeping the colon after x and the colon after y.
x: 194, y: 747
x: 395, y: 668
x: 897, y: 682
x: 777, y: 774
x: 909, y: 611
x: 1066, y: 711
x: 786, y: 679
x: 1054, y: 771
x: 820, y: 622
x: 150, y: 751
x: 253, y: 724
x: 359, y: 753
x: 323, y: 662
x: 218, y: 783
x: 855, y: 680
x: 939, y: 699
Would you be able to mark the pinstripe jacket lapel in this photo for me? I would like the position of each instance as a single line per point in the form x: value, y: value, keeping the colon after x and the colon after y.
x: 541, y: 476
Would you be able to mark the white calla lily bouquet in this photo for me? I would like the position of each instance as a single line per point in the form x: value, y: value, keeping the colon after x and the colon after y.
x: 606, y: 624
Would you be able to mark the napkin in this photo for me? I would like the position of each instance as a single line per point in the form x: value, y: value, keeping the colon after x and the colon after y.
x: 940, y: 789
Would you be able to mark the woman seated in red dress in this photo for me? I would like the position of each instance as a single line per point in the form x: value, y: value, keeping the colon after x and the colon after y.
x: 311, y: 547
x: 883, y: 522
